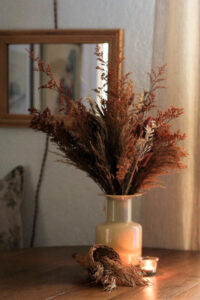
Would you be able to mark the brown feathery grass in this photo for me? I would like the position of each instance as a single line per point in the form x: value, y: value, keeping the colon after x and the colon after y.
x: 124, y: 143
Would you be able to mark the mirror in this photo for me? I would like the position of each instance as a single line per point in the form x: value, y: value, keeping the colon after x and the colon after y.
x: 71, y: 64
x: 70, y: 54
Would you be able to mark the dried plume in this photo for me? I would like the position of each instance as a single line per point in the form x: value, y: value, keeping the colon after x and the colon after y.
x: 123, y: 143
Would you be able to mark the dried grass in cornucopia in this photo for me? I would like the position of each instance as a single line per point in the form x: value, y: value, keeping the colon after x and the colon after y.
x: 123, y: 142
x: 103, y: 265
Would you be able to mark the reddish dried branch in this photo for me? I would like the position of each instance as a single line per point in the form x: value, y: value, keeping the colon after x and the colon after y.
x: 118, y: 143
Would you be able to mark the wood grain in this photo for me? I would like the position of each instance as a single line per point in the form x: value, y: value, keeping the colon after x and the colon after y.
x: 51, y: 273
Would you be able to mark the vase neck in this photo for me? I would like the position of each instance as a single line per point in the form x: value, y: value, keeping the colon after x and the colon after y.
x: 119, y: 210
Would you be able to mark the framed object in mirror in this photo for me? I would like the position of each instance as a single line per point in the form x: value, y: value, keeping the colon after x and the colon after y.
x: 71, y: 56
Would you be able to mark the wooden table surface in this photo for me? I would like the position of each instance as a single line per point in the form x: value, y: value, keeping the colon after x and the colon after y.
x: 51, y: 273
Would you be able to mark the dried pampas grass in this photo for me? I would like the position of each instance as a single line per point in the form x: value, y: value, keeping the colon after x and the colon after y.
x: 124, y: 143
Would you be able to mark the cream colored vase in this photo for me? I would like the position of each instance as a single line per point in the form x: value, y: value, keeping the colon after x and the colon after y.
x: 119, y: 232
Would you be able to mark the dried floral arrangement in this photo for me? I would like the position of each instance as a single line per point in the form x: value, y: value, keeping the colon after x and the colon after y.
x: 103, y: 265
x: 124, y: 143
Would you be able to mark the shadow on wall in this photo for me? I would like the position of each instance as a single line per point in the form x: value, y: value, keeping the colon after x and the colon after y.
x: 27, y: 207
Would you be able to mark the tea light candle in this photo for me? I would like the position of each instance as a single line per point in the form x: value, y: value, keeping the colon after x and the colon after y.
x: 148, y: 264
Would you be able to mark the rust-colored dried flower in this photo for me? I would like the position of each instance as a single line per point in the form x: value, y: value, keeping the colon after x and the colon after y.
x: 124, y: 143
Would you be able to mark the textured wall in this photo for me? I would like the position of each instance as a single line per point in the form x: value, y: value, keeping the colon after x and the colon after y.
x: 70, y: 207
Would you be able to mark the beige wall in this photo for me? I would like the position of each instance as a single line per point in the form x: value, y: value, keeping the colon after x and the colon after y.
x: 69, y: 205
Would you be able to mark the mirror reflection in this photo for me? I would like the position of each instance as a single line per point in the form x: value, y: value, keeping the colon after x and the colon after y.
x: 70, y: 63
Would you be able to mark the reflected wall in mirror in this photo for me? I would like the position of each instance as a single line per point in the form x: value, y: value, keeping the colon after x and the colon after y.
x: 71, y: 56
x: 72, y: 64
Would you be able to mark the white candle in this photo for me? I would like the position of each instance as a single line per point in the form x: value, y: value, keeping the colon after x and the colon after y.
x: 148, y: 264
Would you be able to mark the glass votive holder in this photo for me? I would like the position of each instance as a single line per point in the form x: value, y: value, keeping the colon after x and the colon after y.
x: 148, y: 264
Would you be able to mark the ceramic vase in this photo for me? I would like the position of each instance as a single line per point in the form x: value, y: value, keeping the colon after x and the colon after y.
x: 119, y: 231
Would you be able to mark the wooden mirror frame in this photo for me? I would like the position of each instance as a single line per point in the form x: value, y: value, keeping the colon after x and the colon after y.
x: 94, y: 36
